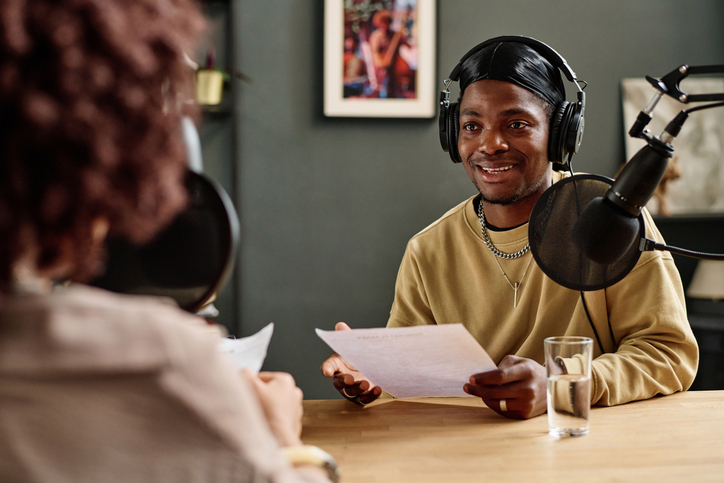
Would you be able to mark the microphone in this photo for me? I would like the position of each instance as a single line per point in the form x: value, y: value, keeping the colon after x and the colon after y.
x: 583, y: 230
x: 609, y: 225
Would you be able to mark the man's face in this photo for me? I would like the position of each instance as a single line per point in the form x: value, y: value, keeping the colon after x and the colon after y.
x: 503, y: 141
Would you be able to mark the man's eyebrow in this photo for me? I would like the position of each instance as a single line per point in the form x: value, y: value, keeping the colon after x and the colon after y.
x: 515, y: 111
x: 469, y: 112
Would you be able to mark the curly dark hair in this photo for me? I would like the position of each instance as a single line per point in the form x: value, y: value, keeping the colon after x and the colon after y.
x: 90, y: 124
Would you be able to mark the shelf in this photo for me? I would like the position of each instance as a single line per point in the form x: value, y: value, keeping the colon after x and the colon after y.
x: 217, y: 133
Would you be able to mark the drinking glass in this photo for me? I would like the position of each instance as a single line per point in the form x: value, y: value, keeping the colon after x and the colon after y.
x: 568, y: 366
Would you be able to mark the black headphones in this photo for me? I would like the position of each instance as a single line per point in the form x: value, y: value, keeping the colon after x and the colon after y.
x: 566, y: 130
x: 191, y: 259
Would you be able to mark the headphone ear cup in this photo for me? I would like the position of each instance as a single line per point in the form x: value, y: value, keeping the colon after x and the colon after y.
x: 574, y: 129
x: 557, y: 132
x: 449, y: 126
x: 454, y: 131
x: 443, y: 127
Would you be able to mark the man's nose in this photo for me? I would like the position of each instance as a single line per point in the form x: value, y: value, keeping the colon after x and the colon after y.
x: 492, y: 141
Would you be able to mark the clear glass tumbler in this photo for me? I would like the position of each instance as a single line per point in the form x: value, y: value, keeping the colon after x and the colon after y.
x: 568, y: 366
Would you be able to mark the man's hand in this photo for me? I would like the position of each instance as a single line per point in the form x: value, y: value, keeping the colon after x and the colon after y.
x: 520, y: 382
x: 281, y: 401
x: 350, y: 383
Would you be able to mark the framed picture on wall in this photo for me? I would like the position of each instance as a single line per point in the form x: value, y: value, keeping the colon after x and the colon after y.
x: 379, y: 58
x: 693, y: 183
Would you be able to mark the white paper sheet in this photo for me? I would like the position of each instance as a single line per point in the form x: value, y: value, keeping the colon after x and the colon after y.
x: 249, y: 352
x: 422, y: 361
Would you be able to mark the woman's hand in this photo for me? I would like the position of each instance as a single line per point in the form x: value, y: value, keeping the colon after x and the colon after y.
x: 281, y: 401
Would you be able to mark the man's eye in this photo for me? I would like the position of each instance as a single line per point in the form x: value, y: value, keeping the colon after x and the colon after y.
x: 469, y: 127
x: 517, y: 125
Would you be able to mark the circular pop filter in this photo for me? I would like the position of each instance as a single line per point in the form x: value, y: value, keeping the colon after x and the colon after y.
x: 550, y: 233
x: 189, y: 261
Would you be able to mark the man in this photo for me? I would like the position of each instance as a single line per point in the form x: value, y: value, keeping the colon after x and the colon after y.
x: 472, y: 266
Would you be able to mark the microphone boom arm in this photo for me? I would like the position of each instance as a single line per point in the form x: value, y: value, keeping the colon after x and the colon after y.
x: 669, y: 85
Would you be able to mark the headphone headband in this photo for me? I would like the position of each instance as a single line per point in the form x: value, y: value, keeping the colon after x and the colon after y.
x: 543, y: 49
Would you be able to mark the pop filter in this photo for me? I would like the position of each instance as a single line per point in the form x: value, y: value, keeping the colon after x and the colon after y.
x: 189, y: 261
x: 551, y: 229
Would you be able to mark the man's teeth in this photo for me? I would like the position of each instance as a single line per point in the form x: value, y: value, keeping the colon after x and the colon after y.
x: 497, y: 170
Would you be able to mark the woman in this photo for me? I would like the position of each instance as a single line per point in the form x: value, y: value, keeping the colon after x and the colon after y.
x: 96, y: 386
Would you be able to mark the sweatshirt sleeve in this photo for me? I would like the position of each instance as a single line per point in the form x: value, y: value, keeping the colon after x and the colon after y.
x: 656, y: 352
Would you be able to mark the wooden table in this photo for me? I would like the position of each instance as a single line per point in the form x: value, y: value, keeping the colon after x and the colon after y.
x: 674, y: 438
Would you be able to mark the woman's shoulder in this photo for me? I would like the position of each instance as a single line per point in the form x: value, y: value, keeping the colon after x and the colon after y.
x: 88, y: 329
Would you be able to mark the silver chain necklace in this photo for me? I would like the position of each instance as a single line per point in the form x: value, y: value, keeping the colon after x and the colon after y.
x: 486, y: 238
x: 515, y: 286
x: 507, y: 256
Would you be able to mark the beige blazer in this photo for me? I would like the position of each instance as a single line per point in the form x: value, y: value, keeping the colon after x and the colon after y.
x: 101, y: 387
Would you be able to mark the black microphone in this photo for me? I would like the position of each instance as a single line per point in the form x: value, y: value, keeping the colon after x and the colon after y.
x: 608, y: 226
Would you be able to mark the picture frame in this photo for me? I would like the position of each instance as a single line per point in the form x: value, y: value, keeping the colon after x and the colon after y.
x: 379, y: 58
x: 693, y: 183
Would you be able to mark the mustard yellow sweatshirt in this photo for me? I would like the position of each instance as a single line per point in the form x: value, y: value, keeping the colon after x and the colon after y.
x: 449, y: 276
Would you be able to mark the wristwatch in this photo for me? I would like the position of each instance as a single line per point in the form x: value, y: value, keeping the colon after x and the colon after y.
x: 312, y: 455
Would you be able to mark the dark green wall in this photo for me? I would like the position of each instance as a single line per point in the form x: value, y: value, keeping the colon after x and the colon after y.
x: 327, y: 205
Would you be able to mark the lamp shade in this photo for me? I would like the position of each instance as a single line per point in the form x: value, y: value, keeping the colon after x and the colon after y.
x: 708, y: 280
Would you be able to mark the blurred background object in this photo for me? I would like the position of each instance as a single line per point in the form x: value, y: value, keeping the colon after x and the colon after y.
x: 705, y: 304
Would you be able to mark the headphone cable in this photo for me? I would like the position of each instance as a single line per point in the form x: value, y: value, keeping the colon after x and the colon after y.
x: 583, y: 299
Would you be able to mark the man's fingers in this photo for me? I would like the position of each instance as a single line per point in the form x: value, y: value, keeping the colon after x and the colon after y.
x: 348, y: 386
x: 347, y: 379
x: 371, y: 395
x: 521, y: 391
x: 509, y: 360
x: 496, y: 376
x: 330, y: 366
x: 477, y: 390
x: 518, y: 381
x: 354, y: 388
x: 492, y: 391
x: 335, y: 364
x: 356, y: 394
x: 488, y: 378
x: 510, y: 369
x: 341, y: 380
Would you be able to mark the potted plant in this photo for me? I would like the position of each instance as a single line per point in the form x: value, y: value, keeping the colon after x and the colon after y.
x: 210, y: 82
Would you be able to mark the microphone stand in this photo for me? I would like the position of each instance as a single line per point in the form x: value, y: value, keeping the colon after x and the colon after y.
x: 669, y: 85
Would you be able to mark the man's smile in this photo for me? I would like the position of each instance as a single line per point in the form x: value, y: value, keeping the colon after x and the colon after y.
x: 496, y: 169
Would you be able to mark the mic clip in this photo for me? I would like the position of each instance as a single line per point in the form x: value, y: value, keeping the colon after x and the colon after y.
x: 669, y: 84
